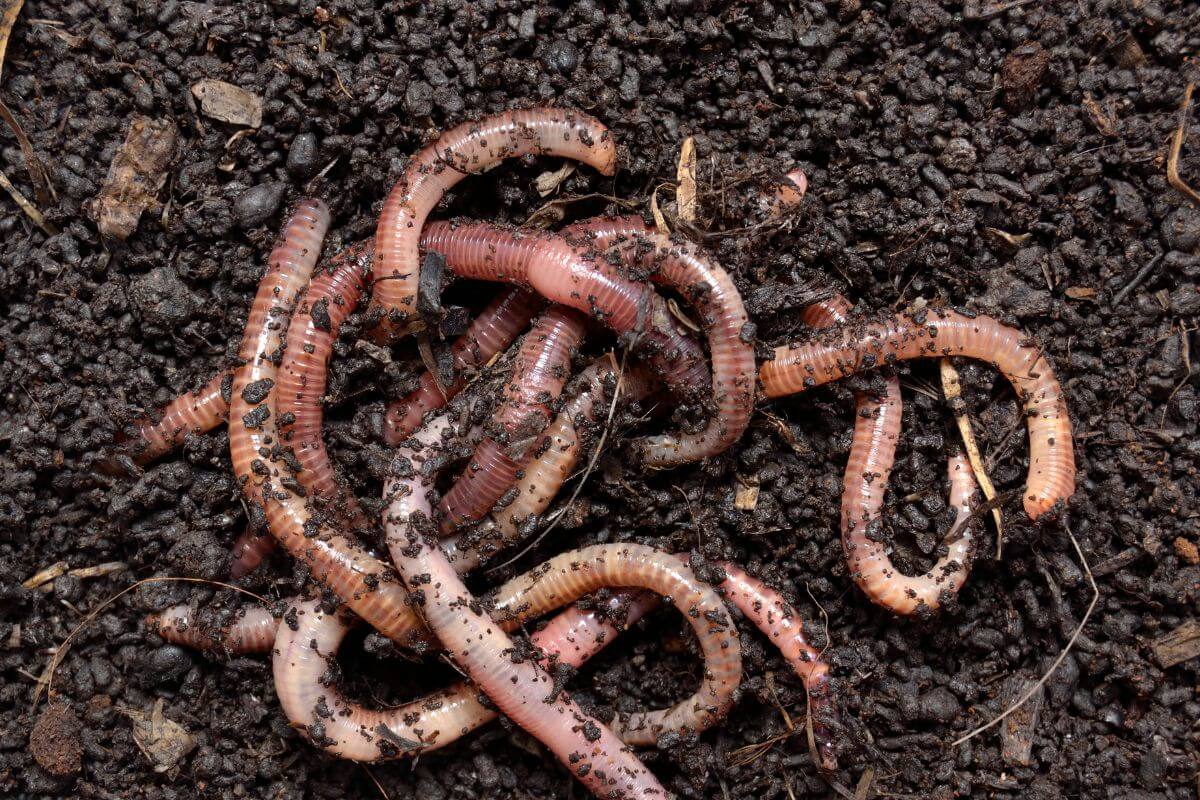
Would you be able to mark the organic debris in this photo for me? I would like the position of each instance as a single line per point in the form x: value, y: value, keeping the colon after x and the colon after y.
x: 135, y: 177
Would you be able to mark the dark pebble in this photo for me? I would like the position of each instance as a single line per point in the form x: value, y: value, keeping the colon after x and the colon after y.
x: 304, y: 157
x: 258, y: 204
x: 561, y: 56
x: 167, y: 665
x: 1181, y: 228
x: 939, y: 705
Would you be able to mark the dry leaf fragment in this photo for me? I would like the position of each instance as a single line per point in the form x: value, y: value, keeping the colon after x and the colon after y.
x: 660, y: 221
x: 137, y: 173
x: 952, y: 388
x: 746, y: 497
x: 685, y: 174
x: 9, y: 9
x: 228, y: 103
x: 548, y: 182
x: 160, y: 739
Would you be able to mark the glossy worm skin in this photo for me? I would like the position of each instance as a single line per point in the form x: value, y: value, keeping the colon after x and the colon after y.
x: 939, y: 333
x: 520, y: 689
x: 253, y: 631
x: 310, y: 638
x: 540, y: 371
x: 303, y: 374
x: 872, y: 453
x: 559, y: 451
x: 490, y: 333
x: 576, y: 573
x: 578, y: 278
x: 710, y: 290
x: 249, y: 550
x: 469, y: 149
x: 363, y: 582
x: 190, y: 413
x: 772, y: 615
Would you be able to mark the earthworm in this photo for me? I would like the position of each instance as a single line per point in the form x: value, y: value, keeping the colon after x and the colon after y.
x: 310, y: 638
x: 576, y: 573
x: 303, y: 374
x: 249, y: 550
x: 940, y: 333
x: 469, y: 149
x: 767, y: 609
x: 520, y: 688
x: 252, y: 631
x: 558, y: 450
x: 363, y: 582
x: 540, y: 370
x: 705, y: 284
x: 488, y: 334
x: 575, y: 277
x: 872, y: 453
x: 787, y: 193
x: 189, y: 413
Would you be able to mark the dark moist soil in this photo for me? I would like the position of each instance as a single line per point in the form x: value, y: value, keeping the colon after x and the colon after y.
x: 1011, y: 161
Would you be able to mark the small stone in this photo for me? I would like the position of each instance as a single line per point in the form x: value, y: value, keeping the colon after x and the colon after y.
x: 561, y: 56
x: 1181, y: 228
x: 939, y: 705
x: 304, y: 156
x: 167, y: 665
x: 258, y: 204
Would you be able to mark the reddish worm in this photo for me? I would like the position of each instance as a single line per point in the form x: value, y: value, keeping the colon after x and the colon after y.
x: 521, y: 689
x: 936, y: 334
x: 469, y: 149
x: 872, y: 453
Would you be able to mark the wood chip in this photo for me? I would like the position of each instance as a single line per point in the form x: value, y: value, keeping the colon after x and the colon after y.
x: 953, y: 391
x: 1080, y: 292
x: 548, y: 182
x: 135, y: 177
x: 1179, y: 645
x: 160, y: 739
x: 46, y: 575
x: 228, y: 103
x: 685, y: 174
x: 746, y: 497
x: 1016, y: 733
x: 9, y: 9
x: 660, y: 221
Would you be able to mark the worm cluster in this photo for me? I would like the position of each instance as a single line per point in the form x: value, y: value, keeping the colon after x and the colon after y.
x: 560, y: 288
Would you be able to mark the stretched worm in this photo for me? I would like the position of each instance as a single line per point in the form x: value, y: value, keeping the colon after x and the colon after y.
x: 705, y: 284
x: 574, y: 277
x: 303, y: 375
x: 253, y: 630
x: 471, y: 148
x: 940, y: 333
x: 492, y: 331
x: 872, y: 453
x: 558, y: 451
x: 189, y: 413
x: 363, y: 582
x: 310, y: 638
x: 539, y: 373
x: 767, y: 609
x: 520, y: 688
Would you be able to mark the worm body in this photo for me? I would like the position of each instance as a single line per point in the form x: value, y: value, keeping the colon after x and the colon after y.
x: 190, y: 413
x: 579, y: 279
x: 539, y: 373
x: 492, y: 331
x: 364, y: 583
x: 253, y: 631
x: 249, y: 550
x: 705, y: 284
x: 872, y: 453
x: 522, y: 690
x: 471, y: 148
x: 303, y: 375
x: 940, y: 333
x: 347, y: 729
x: 772, y: 615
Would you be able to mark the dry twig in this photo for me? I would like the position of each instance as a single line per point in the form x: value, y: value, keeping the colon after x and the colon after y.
x: 953, y: 391
x: 1173, y: 176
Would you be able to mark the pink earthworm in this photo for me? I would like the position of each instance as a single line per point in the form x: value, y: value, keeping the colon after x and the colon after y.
x: 578, y: 278
x: 249, y: 550
x: 844, y: 350
x: 189, y: 413
x: 872, y: 453
x: 787, y: 193
x: 253, y: 630
x: 559, y: 451
x: 492, y: 331
x: 469, y: 149
x: 708, y: 287
x: 367, y: 585
x: 540, y: 371
x: 772, y: 615
x: 310, y: 638
x: 331, y: 296
x: 519, y: 688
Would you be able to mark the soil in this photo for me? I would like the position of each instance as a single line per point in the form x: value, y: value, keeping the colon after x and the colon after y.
x: 1010, y: 160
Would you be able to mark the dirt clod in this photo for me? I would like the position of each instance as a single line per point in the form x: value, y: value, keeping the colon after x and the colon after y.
x: 54, y: 740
